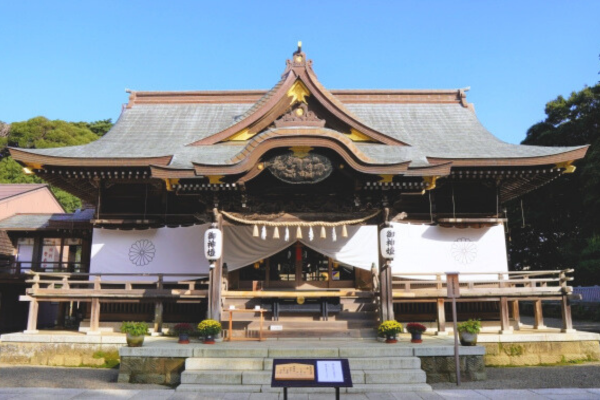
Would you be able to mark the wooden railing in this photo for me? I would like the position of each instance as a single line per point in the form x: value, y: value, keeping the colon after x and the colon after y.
x: 506, y: 288
x: 65, y: 285
x: 521, y: 283
x: 92, y: 288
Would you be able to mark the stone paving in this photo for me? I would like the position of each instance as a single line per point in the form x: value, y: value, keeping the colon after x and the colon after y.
x: 170, y: 394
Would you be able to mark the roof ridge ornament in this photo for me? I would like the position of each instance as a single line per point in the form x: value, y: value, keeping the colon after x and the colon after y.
x: 298, y: 61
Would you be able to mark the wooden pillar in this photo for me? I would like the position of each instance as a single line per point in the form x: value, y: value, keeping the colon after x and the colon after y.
x: 504, y: 321
x: 565, y: 311
x: 215, y: 279
x: 158, y: 318
x: 514, y: 309
x: 32, y: 317
x: 387, y: 307
x: 95, y: 317
x: 158, y: 309
x: 538, y: 315
x: 441, y: 317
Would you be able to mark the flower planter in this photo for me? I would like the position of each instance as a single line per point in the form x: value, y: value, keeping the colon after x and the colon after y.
x: 415, y: 337
x: 209, y: 339
x: 134, y: 340
x: 391, y: 339
x: 184, y: 338
x: 468, y: 339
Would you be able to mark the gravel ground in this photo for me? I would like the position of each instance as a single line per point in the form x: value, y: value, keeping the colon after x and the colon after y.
x: 60, y: 377
x: 585, y: 375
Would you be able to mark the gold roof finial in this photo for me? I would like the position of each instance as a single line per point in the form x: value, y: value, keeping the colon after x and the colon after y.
x: 299, y: 46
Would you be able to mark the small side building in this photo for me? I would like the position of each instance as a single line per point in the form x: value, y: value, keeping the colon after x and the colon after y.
x: 35, y: 234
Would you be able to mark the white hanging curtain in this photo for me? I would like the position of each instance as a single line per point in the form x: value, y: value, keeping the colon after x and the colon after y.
x: 359, y: 249
x: 163, y: 250
x: 434, y: 249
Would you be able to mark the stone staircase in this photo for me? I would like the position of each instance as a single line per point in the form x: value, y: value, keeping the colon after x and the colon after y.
x: 248, y: 368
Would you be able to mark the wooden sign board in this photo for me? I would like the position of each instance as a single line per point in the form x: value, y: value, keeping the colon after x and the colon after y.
x: 452, y: 285
x: 294, y: 372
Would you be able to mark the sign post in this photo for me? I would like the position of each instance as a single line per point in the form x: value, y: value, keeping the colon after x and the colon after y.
x: 453, y: 287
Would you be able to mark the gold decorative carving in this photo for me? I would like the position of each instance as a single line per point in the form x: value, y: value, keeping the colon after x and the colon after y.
x: 298, y: 92
x: 431, y: 182
x: 568, y: 166
x: 169, y: 182
x: 241, y: 136
x: 215, y: 178
x: 299, y: 116
x: 386, y: 178
x: 301, y: 151
x: 357, y: 136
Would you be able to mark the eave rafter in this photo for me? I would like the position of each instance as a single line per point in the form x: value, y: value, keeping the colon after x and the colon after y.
x: 566, y: 159
x: 298, y: 82
x: 38, y: 161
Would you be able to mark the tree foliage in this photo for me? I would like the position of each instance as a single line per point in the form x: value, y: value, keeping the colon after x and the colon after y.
x: 561, y: 224
x: 38, y: 133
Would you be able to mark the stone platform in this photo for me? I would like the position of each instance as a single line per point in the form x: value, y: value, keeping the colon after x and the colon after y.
x: 162, y: 360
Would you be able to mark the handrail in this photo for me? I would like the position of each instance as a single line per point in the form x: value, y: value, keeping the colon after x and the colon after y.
x: 538, y: 281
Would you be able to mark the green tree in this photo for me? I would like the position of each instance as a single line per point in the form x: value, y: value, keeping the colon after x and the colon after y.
x: 39, y: 132
x: 561, y: 228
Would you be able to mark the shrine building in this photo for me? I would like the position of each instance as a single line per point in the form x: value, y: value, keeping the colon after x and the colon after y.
x: 300, y: 179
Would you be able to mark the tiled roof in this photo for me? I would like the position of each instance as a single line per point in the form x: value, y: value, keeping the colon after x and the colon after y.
x: 27, y: 222
x: 432, y: 130
x: 8, y: 190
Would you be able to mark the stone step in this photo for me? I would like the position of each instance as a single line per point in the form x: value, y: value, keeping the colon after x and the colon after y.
x: 357, y: 388
x: 351, y: 352
x: 226, y: 377
x: 384, y: 363
x: 224, y: 364
x: 322, y: 333
x: 266, y: 364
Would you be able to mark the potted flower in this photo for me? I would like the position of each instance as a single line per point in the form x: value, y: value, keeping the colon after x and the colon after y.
x: 135, y: 332
x: 183, y: 330
x: 468, y: 331
x: 416, y: 330
x: 208, y: 329
x: 390, y: 329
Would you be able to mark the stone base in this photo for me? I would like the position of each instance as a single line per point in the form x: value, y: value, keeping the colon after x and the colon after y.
x: 442, y: 368
x: 157, y: 370
x: 539, y: 353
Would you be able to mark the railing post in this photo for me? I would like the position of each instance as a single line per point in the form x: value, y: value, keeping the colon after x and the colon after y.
x: 538, y: 315
x: 504, y: 322
x: 441, y: 317
x: 514, y: 308
x: 565, y: 304
x: 95, y: 317
x: 32, y: 317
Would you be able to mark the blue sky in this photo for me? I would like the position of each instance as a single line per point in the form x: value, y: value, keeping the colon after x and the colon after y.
x: 72, y: 60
